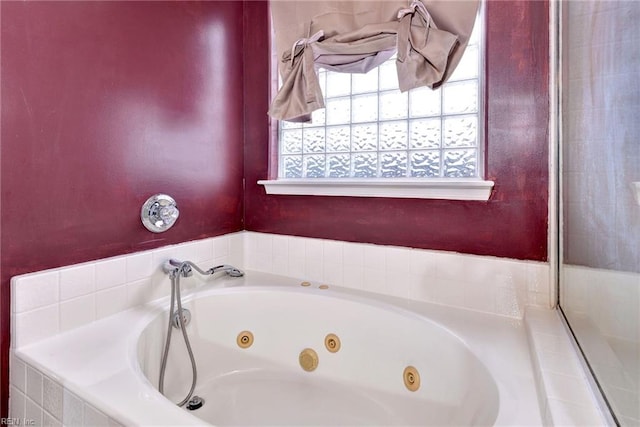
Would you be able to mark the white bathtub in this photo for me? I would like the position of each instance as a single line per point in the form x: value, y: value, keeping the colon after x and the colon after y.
x: 474, y: 369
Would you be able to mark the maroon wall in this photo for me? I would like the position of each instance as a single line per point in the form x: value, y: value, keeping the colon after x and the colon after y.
x: 106, y: 103
x: 514, y: 221
x: 103, y: 105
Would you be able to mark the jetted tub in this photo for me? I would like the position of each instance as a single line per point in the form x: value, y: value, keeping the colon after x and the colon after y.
x: 474, y: 371
x: 362, y: 383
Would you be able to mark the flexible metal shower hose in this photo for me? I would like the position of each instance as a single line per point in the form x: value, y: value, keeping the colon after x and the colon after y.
x: 175, y: 295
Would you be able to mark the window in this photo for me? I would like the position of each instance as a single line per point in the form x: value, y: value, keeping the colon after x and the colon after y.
x: 370, y: 131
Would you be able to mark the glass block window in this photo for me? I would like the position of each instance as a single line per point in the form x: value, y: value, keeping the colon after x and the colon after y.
x: 369, y: 129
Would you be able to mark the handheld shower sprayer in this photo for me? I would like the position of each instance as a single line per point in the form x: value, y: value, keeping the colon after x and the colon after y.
x: 229, y: 269
x: 176, y: 269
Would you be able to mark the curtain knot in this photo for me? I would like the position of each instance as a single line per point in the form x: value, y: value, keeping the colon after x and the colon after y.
x: 304, y: 42
x: 416, y: 6
x: 416, y: 10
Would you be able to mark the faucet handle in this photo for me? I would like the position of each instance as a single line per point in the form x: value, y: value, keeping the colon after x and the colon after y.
x: 159, y: 213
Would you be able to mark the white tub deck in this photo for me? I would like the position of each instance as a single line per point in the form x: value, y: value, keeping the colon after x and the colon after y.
x: 98, y: 363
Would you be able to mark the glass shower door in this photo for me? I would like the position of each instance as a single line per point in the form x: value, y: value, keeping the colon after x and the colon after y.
x: 600, y: 194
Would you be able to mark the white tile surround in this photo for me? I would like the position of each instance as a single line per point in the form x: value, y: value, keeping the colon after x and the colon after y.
x: 53, y: 301
x: 609, y: 337
x: 50, y: 302
x: 564, y: 394
x: 591, y: 292
x: 481, y: 283
x: 43, y: 401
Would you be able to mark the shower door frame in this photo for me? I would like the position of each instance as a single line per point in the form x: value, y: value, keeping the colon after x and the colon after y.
x: 557, y: 9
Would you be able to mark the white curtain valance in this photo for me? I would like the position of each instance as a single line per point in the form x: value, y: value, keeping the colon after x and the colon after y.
x: 357, y: 36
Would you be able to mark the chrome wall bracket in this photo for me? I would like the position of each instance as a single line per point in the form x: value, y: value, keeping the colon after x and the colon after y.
x: 159, y: 213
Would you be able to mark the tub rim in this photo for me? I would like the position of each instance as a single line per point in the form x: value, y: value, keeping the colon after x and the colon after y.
x: 49, y: 356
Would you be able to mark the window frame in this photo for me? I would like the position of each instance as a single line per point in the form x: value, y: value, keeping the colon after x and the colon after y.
x: 476, y: 188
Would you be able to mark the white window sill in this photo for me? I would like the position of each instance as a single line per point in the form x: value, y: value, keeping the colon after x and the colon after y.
x: 448, y: 189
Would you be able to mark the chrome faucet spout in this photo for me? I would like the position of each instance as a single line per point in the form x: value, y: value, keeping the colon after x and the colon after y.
x: 169, y: 268
x: 174, y: 267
